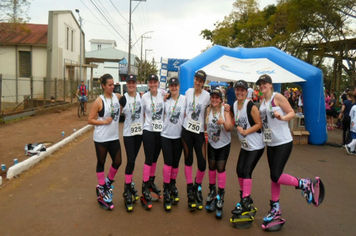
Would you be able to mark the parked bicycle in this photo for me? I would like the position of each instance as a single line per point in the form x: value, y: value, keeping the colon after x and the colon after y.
x: 81, y: 111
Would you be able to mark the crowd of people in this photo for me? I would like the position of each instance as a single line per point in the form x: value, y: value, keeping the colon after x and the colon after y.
x: 176, y: 123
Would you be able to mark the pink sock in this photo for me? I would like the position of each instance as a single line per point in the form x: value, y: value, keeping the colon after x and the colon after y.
x: 241, y: 184
x: 247, y: 183
x: 286, y: 179
x: 146, y: 172
x: 221, y: 180
x: 199, y: 177
x: 212, y: 176
x: 275, y: 191
x: 174, y: 173
x: 101, y: 177
x: 153, y: 170
x: 128, y: 179
x: 188, y: 174
x: 167, y: 174
x: 112, y: 173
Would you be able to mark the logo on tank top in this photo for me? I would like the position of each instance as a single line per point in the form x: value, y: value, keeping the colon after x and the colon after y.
x: 137, y: 113
x: 175, y: 116
x: 159, y: 112
x: 242, y: 122
x: 116, y: 112
x: 214, y: 131
x: 195, y: 114
x: 264, y: 119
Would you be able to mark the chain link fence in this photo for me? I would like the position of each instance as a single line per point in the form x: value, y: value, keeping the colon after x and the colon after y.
x: 23, y: 95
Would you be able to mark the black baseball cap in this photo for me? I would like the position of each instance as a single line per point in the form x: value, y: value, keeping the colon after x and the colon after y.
x: 131, y: 78
x: 173, y: 80
x: 217, y: 92
x: 152, y: 76
x: 264, y: 78
x: 201, y: 74
x: 242, y: 84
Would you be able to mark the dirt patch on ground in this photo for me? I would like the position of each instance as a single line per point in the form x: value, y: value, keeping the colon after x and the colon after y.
x: 44, y: 128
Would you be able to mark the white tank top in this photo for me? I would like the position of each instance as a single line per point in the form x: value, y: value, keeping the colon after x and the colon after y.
x: 133, y: 113
x: 174, y: 116
x: 201, y: 103
x: 280, y: 130
x: 218, y: 137
x: 110, y: 132
x: 158, y: 104
x: 254, y: 140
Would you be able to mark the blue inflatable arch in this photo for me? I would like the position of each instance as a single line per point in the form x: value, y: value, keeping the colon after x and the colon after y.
x: 313, y: 94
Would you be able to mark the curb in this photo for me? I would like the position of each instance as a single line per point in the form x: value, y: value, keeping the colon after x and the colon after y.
x: 29, y: 162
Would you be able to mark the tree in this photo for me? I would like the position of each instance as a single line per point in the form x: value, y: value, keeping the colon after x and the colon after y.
x: 147, y: 68
x: 13, y: 12
x: 294, y: 26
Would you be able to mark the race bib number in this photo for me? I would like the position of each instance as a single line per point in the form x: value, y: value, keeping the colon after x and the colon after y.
x: 136, y: 129
x: 267, y: 136
x: 194, y: 126
x: 244, y: 143
x: 157, y: 125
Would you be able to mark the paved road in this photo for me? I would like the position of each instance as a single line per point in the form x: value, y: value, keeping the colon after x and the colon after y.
x: 57, y: 197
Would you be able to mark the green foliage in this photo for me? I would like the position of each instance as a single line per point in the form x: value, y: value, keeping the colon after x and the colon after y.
x: 292, y: 26
x: 146, y: 68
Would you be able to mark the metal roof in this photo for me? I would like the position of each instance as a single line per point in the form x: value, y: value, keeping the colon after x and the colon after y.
x: 23, y: 34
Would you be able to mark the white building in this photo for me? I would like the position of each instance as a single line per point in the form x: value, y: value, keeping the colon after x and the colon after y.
x: 109, y: 59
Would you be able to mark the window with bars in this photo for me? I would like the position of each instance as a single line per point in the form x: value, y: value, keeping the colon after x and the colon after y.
x: 25, y: 64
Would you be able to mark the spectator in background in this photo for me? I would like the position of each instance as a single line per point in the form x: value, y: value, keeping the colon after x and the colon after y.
x: 250, y: 93
x: 230, y: 93
x: 332, y: 107
x: 300, y: 103
x: 291, y: 100
x: 346, y: 119
x: 83, y: 90
x: 328, y: 110
x: 344, y: 95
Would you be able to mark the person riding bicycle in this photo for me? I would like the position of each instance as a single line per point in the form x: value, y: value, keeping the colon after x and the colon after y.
x: 83, y: 94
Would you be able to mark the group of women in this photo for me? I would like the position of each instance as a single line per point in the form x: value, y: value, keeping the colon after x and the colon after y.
x: 175, y: 122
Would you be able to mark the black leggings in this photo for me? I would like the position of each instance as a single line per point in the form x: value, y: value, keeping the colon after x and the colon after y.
x: 247, y: 162
x: 151, y: 146
x: 346, y: 135
x: 172, y: 151
x: 114, y: 149
x: 217, y: 157
x: 277, y: 159
x: 196, y: 141
x: 132, y: 147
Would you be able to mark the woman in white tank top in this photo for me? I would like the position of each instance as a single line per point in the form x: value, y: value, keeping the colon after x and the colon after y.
x: 275, y: 113
x: 131, y: 106
x: 105, y: 115
x: 218, y: 126
x: 248, y: 123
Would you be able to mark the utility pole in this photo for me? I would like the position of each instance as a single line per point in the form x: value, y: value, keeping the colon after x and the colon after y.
x: 80, y: 45
x: 129, y: 54
x: 146, y: 50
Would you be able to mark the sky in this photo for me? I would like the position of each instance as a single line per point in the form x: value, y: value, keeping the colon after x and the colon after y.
x: 176, y: 25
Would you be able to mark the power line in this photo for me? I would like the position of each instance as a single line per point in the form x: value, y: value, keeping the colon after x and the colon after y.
x: 101, y: 23
x: 118, y: 11
x: 111, y: 18
x: 107, y: 20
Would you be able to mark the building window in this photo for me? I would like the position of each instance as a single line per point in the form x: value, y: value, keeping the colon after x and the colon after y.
x: 67, y: 39
x: 99, y: 46
x: 72, y: 40
x: 25, y: 63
